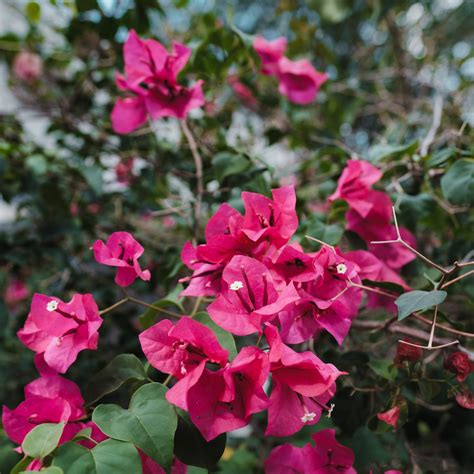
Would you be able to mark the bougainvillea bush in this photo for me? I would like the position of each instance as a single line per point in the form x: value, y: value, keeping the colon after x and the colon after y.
x: 236, y: 237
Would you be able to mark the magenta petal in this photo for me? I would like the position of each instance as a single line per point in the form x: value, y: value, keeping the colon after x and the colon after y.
x: 128, y: 114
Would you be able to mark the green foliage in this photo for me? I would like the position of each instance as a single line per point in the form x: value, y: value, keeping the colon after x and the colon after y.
x: 418, y: 300
x: 109, y: 457
x: 149, y: 423
x: 42, y: 440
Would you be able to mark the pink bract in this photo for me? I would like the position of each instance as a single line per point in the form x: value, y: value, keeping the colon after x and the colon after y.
x: 224, y: 400
x: 59, y: 331
x: 326, y: 457
x: 27, y: 66
x: 302, y: 385
x: 122, y: 251
x: 270, y: 52
x: 390, y: 416
x: 151, y: 78
x: 299, y: 81
x: 181, y: 348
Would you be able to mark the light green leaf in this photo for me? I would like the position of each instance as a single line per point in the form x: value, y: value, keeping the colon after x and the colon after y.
x: 109, y: 457
x: 418, y: 300
x: 148, y: 318
x: 42, y: 440
x: 149, y: 423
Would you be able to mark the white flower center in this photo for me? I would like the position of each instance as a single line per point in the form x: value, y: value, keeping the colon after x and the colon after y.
x: 308, y: 417
x: 59, y: 340
x: 52, y: 306
x: 236, y: 285
x: 341, y: 269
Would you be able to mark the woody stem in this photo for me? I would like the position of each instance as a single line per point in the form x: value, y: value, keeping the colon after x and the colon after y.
x: 199, y: 175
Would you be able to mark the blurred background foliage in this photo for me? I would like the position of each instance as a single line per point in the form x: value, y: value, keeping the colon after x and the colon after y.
x: 66, y: 179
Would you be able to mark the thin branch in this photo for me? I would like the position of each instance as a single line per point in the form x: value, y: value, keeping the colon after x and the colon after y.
x: 399, y: 240
x: 454, y: 280
x: 115, y: 305
x: 320, y: 242
x: 199, y: 175
x: 437, y: 113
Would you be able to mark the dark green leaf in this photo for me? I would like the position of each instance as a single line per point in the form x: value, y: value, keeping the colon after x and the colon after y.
x: 148, y: 318
x: 120, y: 370
x: 192, y: 449
x: 458, y: 182
x: 384, y: 368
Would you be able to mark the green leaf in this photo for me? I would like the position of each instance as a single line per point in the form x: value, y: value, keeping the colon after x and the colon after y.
x: 148, y: 318
x: 42, y: 440
x: 109, y: 457
x: 440, y: 156
x: 47, y: 470
x: 384, y: 368
x: 458, y: 182
x: 380, y: 152
x: 192, y: 449
x: 418, y: 300
x: 226, y: 164
x: 33, y: 12
x: 120, y: 370
x: 225, y: 338
x: 149, y: 423
x: 21, y: 465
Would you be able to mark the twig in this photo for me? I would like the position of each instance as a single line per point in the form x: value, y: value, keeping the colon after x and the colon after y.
x: 454, y: 280
x: 437, y: 113
x: 320, y: 242
x: 199, y: 176
x: 399, y: 240
x: 115, y: 305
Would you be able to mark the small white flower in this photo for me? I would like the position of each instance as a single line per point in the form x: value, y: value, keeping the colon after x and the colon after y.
x: 308, y: 417
x: 236, y: 285
x: 341, y: 269
x: 331, y: 408
x: 52, y: 306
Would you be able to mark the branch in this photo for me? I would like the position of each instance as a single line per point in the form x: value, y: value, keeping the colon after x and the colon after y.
x: 199, y: 177
x: 437, y: 112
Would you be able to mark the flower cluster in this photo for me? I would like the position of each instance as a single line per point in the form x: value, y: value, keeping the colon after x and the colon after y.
x: 151, y: 74
x: 298, y: 80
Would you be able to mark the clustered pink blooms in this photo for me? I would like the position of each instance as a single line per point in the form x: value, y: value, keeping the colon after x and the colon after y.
x: 58, y: 331
x: 298, y: 80
x: 370, y: 213
x: 150, y: 79
x: 15, y: 292
x: 459, y: 363
x: 27, y: 66
x: 122, y: 251
x: 326, y: 457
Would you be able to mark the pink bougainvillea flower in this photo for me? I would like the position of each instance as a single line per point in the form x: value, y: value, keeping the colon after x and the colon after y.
x: 121, y: 251
x: 270, y: 52
x: 390, y: 416
x: 299, y: 81
x: 15, y: 292
x: 59, y: 331
x: 248, y: 297
x: 49, y: 399
x: 327, y: 301
x: 206, y: 277
x: 151, y: 467
x: 326, y: 457
x: 224, y: 400
x: 274, y: 219
x: 181, y: 348
x: 242, y: 91
x: 458, y: 363
x: 151, y: 77
x: 124, y: 171
x: 354, y: 185
x: 302, y: 386
x: 27, y: 66
x: 372, y: 268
